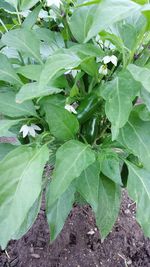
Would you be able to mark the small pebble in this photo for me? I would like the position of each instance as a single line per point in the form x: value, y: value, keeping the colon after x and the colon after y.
x: 91, y: 232
x: 129, y: 262
x: 35, y: 256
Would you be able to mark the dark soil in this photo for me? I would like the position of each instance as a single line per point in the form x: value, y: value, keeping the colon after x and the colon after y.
x: 79, y: 243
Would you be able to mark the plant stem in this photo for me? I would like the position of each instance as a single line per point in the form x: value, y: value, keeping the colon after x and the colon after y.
x: 3, y: 25
x: 18, y: 16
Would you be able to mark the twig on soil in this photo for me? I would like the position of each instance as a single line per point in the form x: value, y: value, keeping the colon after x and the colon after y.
x: 7, y: 254
x: 125, y: 262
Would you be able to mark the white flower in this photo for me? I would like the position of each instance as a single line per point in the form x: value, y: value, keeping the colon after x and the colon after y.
x: 103, y: 70
x: 43, y: 14
x: 53, y: 2
x: 25, y: 13
x: 70, y: 109
x: 72, y: 72
x: 52, y: 15
x: 29, y: 130
x: 113, y: 59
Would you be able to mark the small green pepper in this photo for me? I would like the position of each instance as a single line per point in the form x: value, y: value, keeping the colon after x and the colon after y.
x: 88, y: 107
x: 90, y: 129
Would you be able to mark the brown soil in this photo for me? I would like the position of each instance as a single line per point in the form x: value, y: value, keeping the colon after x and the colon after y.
x: 76, y: 247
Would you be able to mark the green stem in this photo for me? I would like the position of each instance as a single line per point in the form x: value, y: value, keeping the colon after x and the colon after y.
x: 3, y: 25
x: 92, y: 83
x: 18, y: 16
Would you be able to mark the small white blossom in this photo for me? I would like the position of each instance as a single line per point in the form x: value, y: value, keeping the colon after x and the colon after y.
x: 113, y: 59
x: 70, y: 109
x: 103, y: 70
x: 53, y: 2
x: 72, y: 72
x: 43, y: 14
x: 29, y: 130
x: 91, y: 232
x: 25, y: 13
x: 52, y: 15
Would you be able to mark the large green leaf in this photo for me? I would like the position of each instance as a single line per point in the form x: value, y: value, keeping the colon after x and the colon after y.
x: 62, y: 61
x: 87, y: 184
x: 19, y: 188
x: 141, y: 75
x: 58, y: 212
x: 33, y: 90
x: 29, y: 219
x: 31, y: 19
x: 119, y: 94
x: 53, y: 39
x: 139, y: 190
x: 110, y: 165
x: 24, y: 41
x: 27, y: 4
x: 129, y: 30
x: 5, y: 148
x: 89, y: 50
x: 71, y: 159
x: 87, y: 21
x: 5, y: 5
x: 146, y: 97
x: 7, y: 73
x: 62, y: 124
x: 108, y: 205
x: 9, y: 107
x: 31, y: 72
x: 5, y: 125
x: 135, y: 136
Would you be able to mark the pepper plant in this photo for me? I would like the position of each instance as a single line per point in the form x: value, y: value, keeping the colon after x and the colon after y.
x: 74, y: 93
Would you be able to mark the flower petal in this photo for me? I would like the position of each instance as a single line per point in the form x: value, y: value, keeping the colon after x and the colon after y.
x: 106, y: 59
x: 70, y: 109
x: 35, y: 127
x: 103, y: 70
x: 114, y: 60
x: 32, y: 131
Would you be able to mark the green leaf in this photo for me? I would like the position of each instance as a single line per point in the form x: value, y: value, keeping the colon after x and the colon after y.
x: 31, y: 19
x: 62, y: 61
x: 7, y: 73
x: 53, y: 39
x: 31, y: 72
x: 5, y: 125
x: 9, y: 107
x: 135, y: 136
x: 130, y: 30
x: 108, y: 205
x: 110, y: 165
x: 34, y: 90
x: 84, y: 25
x: 5, y: 149
x: 58, y: 212
x: 119, y: 94
x: 87, y: 184
x: 139, y: 190
x: 88, y: 50
x: 146, y: 97
x: 62, y: 124
x: 7, y: 7
x: 141, y: 75
x: 19, y: 189
x: 24, y: 41
x: 14, y: 3
x: 27, y: 4
x: 29, y: 219
x: 71, y: 159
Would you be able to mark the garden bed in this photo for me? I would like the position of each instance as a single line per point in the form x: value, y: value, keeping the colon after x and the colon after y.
x: 79, y: 243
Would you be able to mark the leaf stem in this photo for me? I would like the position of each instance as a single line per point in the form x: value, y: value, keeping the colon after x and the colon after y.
x: 3, y: 25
